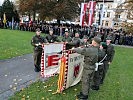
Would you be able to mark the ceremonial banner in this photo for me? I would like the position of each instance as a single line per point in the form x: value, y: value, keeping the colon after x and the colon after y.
x: 72, y: 71
x: 50, y: 59
x: 87, y: 13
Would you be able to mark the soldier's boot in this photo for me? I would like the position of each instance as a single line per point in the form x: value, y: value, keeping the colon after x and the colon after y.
x: 82, y: 97
x: 37, y: 68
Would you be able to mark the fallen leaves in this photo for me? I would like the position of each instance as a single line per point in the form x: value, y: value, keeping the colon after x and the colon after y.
x: 49, y: 90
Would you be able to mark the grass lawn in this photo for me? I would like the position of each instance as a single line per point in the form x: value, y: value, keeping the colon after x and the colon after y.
x: 14, y: 43
x: 117, y: 85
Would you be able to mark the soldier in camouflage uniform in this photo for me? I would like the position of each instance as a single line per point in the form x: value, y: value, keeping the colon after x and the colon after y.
x: 75, y: 41
x: 90, y: 58
x: 67, y: 37
x: 51, y: 38
x: 37, y: 42
x: 110, y: 55
x: 99, y: 72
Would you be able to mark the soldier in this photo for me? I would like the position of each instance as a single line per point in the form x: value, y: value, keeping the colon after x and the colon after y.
x: 37, y: 42
x: 99, y: 72
x: 90, y: 58
x: 51, y: 38
x: 85, y: 42
x: 75, y: 41
x: 66, y: 38
x: 110, y: 55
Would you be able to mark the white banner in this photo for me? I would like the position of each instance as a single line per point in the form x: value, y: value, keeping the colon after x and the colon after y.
x: 70, y: 72
x: 75, y: 68
x: 50, y: 59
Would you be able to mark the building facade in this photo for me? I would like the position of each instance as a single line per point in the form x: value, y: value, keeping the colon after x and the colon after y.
x: 109, y: 13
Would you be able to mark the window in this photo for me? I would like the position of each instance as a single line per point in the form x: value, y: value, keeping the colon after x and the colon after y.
x: 101, y: 6
x: 107, y: 22
x: 116, y: 24
x: 108, y: 14
x: 104, y: 14
x: 119, y: 16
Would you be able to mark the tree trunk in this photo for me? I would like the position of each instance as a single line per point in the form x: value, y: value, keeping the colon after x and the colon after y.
x: 58, y: 22
x: 34, y: 15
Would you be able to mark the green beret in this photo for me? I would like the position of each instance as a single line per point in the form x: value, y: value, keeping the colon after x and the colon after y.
x: 104, y: 45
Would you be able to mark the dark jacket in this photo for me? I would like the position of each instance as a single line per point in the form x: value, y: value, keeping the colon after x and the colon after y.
x: 52, y: 38
x: 110, y: 52
x: 90, y: 55
x: 38, y: 40
x: 66, y: 39
x: 75, y: 42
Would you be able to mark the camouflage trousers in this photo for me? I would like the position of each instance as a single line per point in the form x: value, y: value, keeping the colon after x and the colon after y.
x: 87, y: 77
x: 106, y: 67
x: 98, y: 75
x: 37, y: 59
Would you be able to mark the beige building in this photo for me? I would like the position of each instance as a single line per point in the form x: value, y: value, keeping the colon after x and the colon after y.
x: 108, y: 19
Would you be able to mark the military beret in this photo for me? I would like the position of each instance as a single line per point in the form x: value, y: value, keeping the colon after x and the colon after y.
x: 104, y: 45
x: 97, y: 40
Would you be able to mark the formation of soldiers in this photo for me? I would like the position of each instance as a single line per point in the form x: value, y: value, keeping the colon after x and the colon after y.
x: 119, y: 37
x: 97, y: 50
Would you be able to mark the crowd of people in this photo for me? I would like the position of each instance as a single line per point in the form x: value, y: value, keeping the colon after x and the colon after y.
x: 119, y: 37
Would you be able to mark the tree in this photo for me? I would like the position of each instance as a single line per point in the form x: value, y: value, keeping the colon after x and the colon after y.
x: 126, y: 7
x: 9, y: 9
x: 59, y: 9
x: 29, y: 7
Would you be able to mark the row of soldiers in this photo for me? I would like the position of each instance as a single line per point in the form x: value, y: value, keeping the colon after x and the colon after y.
x: 97, y: 57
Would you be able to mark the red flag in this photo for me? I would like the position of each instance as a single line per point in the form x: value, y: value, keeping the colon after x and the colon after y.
x: 87, y: 13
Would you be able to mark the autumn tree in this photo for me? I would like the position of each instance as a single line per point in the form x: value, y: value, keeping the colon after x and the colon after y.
x: 59, y: 9
x: 126, y: 7
x: 9, y: 9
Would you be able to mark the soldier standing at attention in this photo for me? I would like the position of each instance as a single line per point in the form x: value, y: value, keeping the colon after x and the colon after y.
x: 51, y: 38
x: 67, y: 37
x: 110, y: 52
x: 90, y: 58
x: 37, y: 42
x: 99, y: 71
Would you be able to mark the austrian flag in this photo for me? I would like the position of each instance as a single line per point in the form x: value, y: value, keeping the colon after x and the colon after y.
x: 87, y: 13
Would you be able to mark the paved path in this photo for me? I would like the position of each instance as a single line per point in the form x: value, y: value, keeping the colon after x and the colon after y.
x: 16, y: 73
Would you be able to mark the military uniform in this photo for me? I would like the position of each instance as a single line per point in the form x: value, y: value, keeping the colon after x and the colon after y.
x: 52, y: 38
x: 90, y: 58
x: 84, y: 42
x: 37, y: 41
x: 110, y: 55
x: 99, y: 73
x: 66, y: 39
x: 75, y: 42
